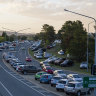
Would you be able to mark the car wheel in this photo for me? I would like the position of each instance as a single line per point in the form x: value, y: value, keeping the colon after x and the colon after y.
x: 25, y: 72
x: 89, y: 91
x: 35, y: 78
x: 78, y: 93
x: 51, y: 84
x: 67, y: 93
x: 57, y: 89
x: 40, y: 82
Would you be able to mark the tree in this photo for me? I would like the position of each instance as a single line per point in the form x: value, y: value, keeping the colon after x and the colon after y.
x: 2, y: 39
x: 48, y: 33
x: 74, y: 38
x: 4, y: 34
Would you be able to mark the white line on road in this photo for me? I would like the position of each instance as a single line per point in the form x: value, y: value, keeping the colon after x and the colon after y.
x: 6, y: 89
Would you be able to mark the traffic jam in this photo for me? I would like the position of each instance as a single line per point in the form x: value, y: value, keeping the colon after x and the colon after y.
x: 70, y: 83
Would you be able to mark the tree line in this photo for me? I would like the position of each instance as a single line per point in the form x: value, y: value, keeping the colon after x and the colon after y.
x: 73, y: 38
x: 13, y: 37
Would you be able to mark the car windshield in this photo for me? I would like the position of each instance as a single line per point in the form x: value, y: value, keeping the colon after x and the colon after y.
x: 71, y: 85
x: 49, y: 68
x: 57, y: 78
x: 63, y: 82
x: 76, y: 76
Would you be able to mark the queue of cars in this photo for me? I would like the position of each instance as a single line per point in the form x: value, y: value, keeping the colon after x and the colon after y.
x: 70, y: 84
x: 18, y: 65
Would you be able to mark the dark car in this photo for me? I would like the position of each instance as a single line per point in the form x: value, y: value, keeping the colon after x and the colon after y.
x: 29, y: 69
x: 58, y: 61
x: 67, y: 63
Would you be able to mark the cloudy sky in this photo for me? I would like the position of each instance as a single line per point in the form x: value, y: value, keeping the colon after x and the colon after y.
x: 23, y: 14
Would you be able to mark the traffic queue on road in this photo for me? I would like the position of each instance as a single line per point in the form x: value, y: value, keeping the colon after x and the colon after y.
x: 70, y: 84
x: 57, y: 78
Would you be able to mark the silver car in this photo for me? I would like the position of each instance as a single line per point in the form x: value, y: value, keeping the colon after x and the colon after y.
x: 76, y: 88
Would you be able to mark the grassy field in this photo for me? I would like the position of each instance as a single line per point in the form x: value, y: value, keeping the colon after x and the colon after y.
x: 75, y: 68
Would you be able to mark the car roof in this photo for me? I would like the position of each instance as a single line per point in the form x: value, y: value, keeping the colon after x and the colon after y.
x: 75, y: 82
x: 63, y: 79
x: 72, y: 74
x: 58, y: 70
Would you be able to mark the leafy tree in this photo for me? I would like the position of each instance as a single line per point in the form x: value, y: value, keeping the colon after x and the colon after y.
x: 48, y: 33
x: 74, y: 39
x: 2, y: 39
x: 4, y: 34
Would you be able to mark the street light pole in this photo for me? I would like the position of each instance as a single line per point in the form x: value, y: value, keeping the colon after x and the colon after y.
x: 95, y: 26
x: 87, y: 45
x: 95, y: 34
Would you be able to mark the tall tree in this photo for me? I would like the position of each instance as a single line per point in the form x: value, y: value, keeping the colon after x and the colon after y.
x: 49, y: 33
x: 74, y: 39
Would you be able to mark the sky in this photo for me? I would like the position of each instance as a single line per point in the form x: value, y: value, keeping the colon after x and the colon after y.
x: 23, y: 14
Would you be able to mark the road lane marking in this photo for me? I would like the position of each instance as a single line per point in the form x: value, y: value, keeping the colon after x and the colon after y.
x: 6, y: 89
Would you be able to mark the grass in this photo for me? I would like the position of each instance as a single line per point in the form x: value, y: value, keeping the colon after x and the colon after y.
x: 75, y: 68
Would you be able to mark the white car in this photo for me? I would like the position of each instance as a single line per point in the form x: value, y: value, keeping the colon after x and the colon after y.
x: 61, y: 52
x: 55, y: 80
x: 59, y: 73
x: 18, y: 68
x: 74, y: 77
x: 61, y: 84
x: 39, y: 56
x: 83, y: 65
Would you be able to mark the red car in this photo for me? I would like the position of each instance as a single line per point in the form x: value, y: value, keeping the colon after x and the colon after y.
x: 48, y: 70
x: 28, y: 59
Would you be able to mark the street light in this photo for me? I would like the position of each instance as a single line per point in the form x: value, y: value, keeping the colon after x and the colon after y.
x: 87, y: 44
x: 95, y: 26
x: 95, y: 33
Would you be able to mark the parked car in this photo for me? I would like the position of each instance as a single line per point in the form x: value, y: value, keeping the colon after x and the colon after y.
x: 28, y: 59
x: 39, y: 56
x: 46, y: 78
x: 17, y: 64
x: 29, y: 69
x: 45, y: 65
x: 59, y: 73
x: 19, y: 67
x: 61, y: 52
x: 43, y: 62
x: 61, y: 84
x: 48, y: 70
x: 58, y: 61
x: 74, y: 77
x: 76, y: 88
x: 39, y: 74
x: 83, y: 65
x: 67, y: 63
x: 55, y: 80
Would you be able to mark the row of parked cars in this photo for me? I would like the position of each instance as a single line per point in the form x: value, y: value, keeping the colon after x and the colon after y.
x: 70, y: 84
x: 18, y: 65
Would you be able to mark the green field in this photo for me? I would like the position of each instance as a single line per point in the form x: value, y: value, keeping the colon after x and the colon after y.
x: 75, y: 68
